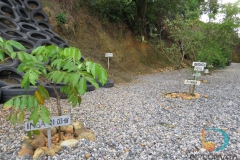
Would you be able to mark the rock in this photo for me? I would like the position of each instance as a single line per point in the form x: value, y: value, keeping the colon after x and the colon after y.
x: 205, y: 96
x: 88, y: 155
x: 38, y: 153
x: 78, y: 125
x: 53, y: 131
x: 38, y: 141
x: 87, y: 135
x: 80, y: 130
x: 63, y: 128
x: 69, y: 143
x: 56, y: 148
x: 50, y: 152
x: 26, y: 149
x: 69, y: 129
x: 68, y: 136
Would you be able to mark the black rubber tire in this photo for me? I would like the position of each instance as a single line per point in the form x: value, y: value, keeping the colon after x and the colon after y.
x: 64, y: 45
x: 51, y: 92
x: 108, y: 84
x: 10, y: 62
x: 9, y: 34
x: 8, y: 23
x: 26, y: 27
x: 49, y: 32
x: 28, y: 44
x: 19, y: 3
x: 38, y: 15
x: 30, y: 3
x: 10, y: 73
x: 36, y: 36
x: 57, y: 39
x: 44, y: 43
x: 7, y: 92
x: 23, y: 14
x: 8, y: 11
x: 42, y: 25
x: 10, y: 3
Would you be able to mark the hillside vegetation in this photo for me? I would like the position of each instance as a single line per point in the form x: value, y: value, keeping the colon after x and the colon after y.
x: 86, y: 32
x: 183, y: 37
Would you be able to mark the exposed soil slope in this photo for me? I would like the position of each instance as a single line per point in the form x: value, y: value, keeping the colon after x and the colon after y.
x: 84, y: 31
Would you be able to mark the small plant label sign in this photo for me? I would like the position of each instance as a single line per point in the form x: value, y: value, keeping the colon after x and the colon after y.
x: 192, y: 82
x: 198, y: 68
x: 199, y: 64
x: 108, y: 54
x: 54, y: 122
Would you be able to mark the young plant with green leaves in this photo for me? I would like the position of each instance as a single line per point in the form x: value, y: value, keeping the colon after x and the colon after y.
x: 65, y: 67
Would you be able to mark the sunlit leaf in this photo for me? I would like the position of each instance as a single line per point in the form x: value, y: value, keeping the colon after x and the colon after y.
x: 30, y: 102
x: 74, y: 101
x: 24, y: 102
x: 74, y: 79
x: 8, y: 104
x: 43, y: 91
x: 9, y: 47
x: 16, y: 44
x: 82, y: 86
x: 14, y: 118
x: 21, y: 117
x: 92, y: 81
x: 17, y: 102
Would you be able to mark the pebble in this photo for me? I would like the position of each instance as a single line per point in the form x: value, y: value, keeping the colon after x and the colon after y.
x: 133, y: 121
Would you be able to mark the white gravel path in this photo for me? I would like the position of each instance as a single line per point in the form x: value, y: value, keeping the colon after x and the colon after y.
x: 133, y: 121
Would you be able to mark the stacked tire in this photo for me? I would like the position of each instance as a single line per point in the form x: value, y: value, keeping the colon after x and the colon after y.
x: 25, y: 22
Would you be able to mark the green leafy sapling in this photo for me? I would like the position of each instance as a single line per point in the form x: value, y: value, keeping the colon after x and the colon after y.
x: 65, y: 67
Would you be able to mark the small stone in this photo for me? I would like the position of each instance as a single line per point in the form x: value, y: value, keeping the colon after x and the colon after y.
x: 78, y: 131
x: 202, y: 149
x: 205, y: 96
x: 38, y: 141
x: 56, y: 148
x: 53, y: 131
x: 26, y: 149
x: 78, y: 125
x: 87, y: 135
x: 50, y: 152
x: 142, y: 144
x: 38, y: 153
x: 127, y: 150
x: 69, y: 143
x: 88, y: 155
x: 69, y: 129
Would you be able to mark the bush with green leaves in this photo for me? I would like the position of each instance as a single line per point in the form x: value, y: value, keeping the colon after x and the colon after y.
x: 61, y: 18
x: 65, y: 67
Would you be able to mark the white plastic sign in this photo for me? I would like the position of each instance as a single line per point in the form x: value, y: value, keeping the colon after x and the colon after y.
x: 202, y: 64
x: 193, y: 82
x: 108, y: 54
x: 55, y: 121
x: 198, y: 68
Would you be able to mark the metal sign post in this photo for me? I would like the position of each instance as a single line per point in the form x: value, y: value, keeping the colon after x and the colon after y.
x: 198, y: 66
x: 108, y: 55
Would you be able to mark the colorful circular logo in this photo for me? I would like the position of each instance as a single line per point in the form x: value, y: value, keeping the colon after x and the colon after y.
x: 210, y: 146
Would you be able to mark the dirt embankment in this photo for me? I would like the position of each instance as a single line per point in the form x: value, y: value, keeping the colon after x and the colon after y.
x: 95, y: 38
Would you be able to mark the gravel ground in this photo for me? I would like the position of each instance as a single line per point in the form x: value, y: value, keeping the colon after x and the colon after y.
x: 134, y: 121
